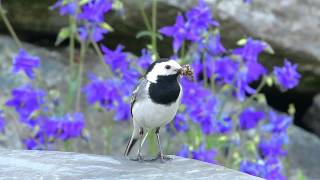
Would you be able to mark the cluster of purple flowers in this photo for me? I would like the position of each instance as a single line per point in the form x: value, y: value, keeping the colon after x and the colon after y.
x: 114, y: 93
x: 198, y: 21
x: 287, y: 77
x: 201, y: 153
x: 90, y: 16
x: 269, y: 169
x: 213, y: 64
x: 26, y: 100
x: 30, y: 105
x: 26, y: 63
x: 237, y: 68
x: 271, y: 147
x: 50, y: 129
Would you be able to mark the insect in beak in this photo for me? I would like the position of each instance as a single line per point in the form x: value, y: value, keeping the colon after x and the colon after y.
x: 179, y: 71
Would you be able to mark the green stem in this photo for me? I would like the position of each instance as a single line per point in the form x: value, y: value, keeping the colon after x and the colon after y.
x: 205, y: 78
x: 71, y: 42
x: 110, y: 134
x: 8, y: 25
x: 154, y: 28
x: 251, y: 98
x: 183, y: 49
x: 80, y: 74
x: 100, y: 55
x: 144, y: 16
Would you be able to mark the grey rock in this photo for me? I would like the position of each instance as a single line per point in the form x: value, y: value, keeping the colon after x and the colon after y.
x: 303, y: 153
x: 312, y: 118
x: 19, y: 164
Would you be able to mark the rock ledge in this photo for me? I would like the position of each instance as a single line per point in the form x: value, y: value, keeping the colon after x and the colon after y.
x: 23, y: 164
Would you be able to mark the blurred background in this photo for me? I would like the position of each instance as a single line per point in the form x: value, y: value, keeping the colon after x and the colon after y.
x: 290, y: 26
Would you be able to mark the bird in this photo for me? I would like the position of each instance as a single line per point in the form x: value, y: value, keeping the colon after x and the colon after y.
x: 154, y: 103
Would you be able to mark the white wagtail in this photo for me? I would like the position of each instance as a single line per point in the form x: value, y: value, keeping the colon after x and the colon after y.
x: 155, y: 102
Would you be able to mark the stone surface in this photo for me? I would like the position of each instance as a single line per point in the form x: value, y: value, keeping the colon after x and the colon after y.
x: 312, y: 118
x: 303, y: 153
x: 18, y: 164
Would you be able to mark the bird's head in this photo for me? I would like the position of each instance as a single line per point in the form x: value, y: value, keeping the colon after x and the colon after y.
x: 163, y: 68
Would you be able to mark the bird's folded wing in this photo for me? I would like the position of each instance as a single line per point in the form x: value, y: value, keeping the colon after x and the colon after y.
x: 139, y: 92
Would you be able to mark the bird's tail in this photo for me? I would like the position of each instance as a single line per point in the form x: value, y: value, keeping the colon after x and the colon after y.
x: 132, y: 142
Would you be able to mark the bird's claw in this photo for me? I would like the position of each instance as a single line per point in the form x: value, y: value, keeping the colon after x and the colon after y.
x: 138, y: 158
x: 162, y: 158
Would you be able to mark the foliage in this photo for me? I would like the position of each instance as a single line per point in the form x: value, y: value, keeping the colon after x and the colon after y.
x: 223, y: 118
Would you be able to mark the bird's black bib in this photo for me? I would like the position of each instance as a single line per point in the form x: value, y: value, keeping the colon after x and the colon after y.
x: 166, y: 90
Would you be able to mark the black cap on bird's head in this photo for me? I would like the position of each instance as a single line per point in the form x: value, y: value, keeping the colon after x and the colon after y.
x: 163, y: 67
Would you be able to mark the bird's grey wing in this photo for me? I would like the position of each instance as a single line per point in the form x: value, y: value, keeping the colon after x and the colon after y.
x: 139, y: 92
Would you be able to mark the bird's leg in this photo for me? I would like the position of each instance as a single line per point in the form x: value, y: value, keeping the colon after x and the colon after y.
x: 139, y: 156
x: 160, y: 154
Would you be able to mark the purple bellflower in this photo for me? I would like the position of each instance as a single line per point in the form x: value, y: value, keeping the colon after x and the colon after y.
x: 25, y: 62
x: 287, y: 76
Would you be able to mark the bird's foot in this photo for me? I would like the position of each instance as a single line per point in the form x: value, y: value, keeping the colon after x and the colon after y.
x: 162, y: 158
x: 138, y: 158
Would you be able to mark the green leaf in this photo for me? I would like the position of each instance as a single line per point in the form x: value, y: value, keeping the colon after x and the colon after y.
x: 117, y: 5
x: 292, y: 109
x: 242, y: 42
x: 300, y: 175
x: 107, y: 27
x: 148, y: 34
x: 64, y: 33
x: 143, y: 34
x: 269, y: 81
x: 261, y: 98
x: 226, y: 88
x: 83, y: 2
x: 268, y: 48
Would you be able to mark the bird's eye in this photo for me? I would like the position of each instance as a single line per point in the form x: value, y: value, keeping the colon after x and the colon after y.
x: 167, y: 66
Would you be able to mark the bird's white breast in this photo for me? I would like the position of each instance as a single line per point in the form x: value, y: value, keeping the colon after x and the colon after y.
x: 149, y: 115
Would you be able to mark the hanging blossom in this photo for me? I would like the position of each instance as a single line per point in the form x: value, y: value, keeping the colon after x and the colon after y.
x: 181, y: 123
x: 90, y: 17
x: 199, y: 20
x: 114, y: 94
x: 54, y: 128
x: 26, y: 63
x: 287, y: 76
x: 95, y: 10
x: 205, y: 155
x: 145, y: 60
x: 240, y: 73
x: 249, y: 118
x: 65, y: 7
x: 104, y: 92
x: 184, y: 151
x: 116, y: 59
x: 93, y: 13
x: 273, y: 147
x: 226, y: 69
x: 201, y: 107
x: 278, y: 123
x: 269, y: 169
x: 26, y: 101
x: 214, y: 45
x: 178, y: 32
x: 2, y: 121
x: 62, y: 127
x: 251, y: 50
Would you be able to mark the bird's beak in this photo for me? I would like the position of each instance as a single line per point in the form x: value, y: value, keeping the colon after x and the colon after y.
x: 179, y: 71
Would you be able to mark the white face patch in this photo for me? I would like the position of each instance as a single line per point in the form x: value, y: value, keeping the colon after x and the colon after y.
x: 167, y: 68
